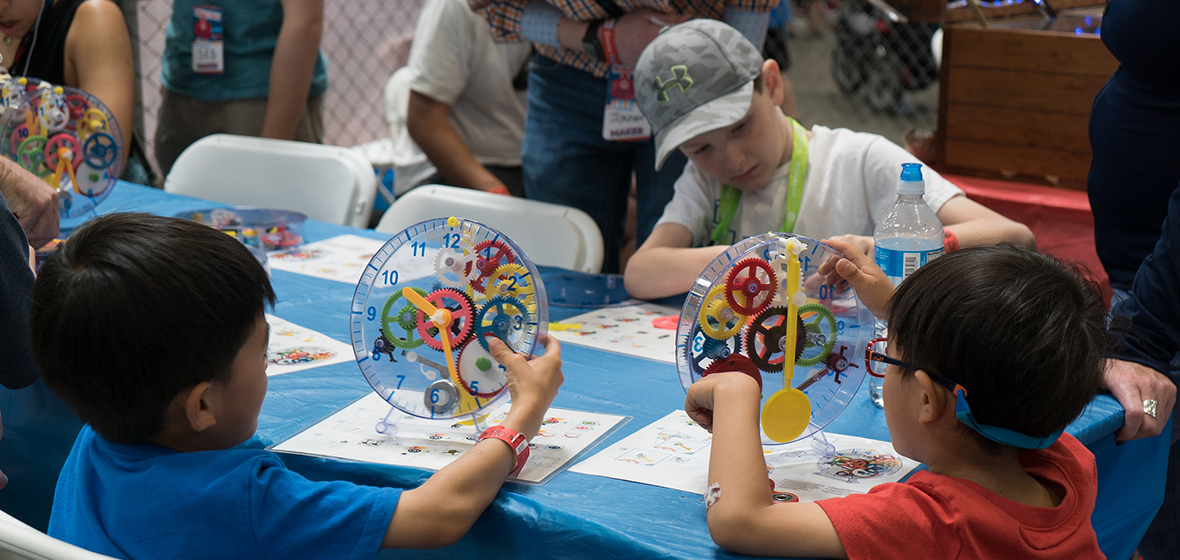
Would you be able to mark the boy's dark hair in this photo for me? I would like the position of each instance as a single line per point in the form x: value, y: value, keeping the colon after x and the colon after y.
x: 134, y: 308
x: 1024, y: 333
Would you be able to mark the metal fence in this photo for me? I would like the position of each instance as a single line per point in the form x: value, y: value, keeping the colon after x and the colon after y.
x: 851, y: 66
x: 364, y: 41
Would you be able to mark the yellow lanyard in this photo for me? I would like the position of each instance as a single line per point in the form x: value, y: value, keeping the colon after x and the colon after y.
x: 798, y: 172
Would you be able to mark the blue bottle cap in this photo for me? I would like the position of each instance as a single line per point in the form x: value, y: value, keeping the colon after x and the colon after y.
x: 911, y: 182
x: 911, y: 172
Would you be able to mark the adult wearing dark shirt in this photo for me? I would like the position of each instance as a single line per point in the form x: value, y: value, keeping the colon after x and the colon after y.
x: 29, y: 204
x: 28, y: 211
x: 1135, y: 134
x: 1135, y: 137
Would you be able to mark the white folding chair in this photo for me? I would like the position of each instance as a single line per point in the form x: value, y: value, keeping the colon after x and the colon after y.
x: 328, y: 183
x: 18, y: 540
x: 551, y: 234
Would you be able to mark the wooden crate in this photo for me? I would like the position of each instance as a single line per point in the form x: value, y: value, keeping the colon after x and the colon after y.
x: 940, y: 11
x: 1016, y: 101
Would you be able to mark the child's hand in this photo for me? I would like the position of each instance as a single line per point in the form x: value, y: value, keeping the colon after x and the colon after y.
x: 864, y: 243
x: 532, y: 383
x: 870, y: 282
x: 698, y: 404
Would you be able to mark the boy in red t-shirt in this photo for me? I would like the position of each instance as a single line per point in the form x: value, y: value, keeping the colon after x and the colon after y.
x: 992, y: 352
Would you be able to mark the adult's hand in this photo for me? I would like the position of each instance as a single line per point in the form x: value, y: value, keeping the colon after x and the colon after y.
x: 636, y: 29
x: 1131, y: 383
x: 32, y: 201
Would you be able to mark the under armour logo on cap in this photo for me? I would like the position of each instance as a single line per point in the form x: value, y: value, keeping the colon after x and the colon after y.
x: 680, y: 78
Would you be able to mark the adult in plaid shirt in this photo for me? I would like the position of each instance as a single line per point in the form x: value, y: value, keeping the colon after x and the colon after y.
x: 564, y: 157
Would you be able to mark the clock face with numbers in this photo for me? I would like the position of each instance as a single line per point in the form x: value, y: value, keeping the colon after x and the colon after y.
x: 425, y: 307
x: 737, y: 315
x: 64, y: 135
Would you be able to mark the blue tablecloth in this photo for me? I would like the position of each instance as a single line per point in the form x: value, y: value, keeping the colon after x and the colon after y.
x: 573, y: 515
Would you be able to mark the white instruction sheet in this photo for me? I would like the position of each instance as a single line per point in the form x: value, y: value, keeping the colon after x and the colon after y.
x: 673, y: 452
x: 432, y: 444
x: 292, y: 348
x: 341, y: 258
x: 646, y: 330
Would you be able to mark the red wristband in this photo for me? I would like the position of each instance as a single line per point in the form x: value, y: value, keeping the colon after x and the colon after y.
x: 606, y: 36
x: 500, y: 189
x: 515, y: 440
x: 950, y: 243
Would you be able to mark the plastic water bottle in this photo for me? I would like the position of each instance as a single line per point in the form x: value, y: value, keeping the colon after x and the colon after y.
x: 908, y: 236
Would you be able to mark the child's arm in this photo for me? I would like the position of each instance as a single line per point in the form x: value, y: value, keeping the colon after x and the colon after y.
x: 872, y: 286
x: 667, y: 264
x: 745, y: 519
x: 973, y: 224
x: 976, y: 225
x: 444, y: 508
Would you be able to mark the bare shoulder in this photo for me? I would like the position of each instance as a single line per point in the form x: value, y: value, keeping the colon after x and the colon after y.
x: 98, y: 15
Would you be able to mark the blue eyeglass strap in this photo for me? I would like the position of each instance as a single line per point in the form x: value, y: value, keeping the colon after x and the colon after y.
x: 999, y: 435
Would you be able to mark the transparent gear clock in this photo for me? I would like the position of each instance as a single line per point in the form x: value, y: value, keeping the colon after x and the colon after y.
x: 762, y: 308
x: 426, y: 306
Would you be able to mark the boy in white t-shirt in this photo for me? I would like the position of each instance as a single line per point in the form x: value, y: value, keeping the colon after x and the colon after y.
x: 706, y: 90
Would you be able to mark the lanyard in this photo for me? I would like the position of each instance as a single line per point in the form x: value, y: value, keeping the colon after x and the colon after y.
x: 795, y: 178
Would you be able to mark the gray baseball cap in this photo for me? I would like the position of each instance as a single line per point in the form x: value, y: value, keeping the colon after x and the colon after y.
x: 694, y: 78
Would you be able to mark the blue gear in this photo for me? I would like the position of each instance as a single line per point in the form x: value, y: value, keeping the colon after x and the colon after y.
x: 498, y: 317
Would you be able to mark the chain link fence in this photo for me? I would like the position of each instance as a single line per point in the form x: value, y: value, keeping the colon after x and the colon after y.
x: 364, y: 41
x: 849, y: 63
x: 854, y: 65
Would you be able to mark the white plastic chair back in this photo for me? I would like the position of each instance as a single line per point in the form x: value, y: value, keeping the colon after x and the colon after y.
x: 328, y: 183
x: 18, y: 540
x: 551, y: 234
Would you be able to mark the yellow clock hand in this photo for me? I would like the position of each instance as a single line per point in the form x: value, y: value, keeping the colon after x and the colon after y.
x: 441, y: 319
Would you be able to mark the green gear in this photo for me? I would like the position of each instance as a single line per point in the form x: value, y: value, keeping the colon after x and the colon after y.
x: 814, y: 326
x: 408, y: 322
x: 31, y: 155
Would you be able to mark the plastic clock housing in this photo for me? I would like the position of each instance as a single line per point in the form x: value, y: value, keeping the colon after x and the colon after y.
x: 65, y: 136
x: 488, y: 288
x: 734, y: 319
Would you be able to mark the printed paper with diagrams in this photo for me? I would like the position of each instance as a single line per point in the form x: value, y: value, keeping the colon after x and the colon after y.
x: 674, y: 451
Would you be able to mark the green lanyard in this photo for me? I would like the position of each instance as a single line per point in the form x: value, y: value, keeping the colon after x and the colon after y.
x: 797, y: 174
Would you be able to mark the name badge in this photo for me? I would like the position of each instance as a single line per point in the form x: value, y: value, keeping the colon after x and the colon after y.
x: 209, y: 40
x: 621, y: 119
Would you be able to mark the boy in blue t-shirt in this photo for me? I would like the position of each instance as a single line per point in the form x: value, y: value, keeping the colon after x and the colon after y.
x: 152, y: 330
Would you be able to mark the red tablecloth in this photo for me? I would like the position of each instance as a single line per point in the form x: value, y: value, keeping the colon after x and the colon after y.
x: 1059, y: 218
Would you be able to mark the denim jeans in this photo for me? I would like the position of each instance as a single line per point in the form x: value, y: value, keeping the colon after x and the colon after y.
x: 566, y: 161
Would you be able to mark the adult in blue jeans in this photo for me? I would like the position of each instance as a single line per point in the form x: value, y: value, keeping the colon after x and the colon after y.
x: 564, y: 157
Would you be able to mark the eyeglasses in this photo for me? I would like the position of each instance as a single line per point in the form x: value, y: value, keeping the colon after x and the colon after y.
x: 875, y: 358
x: 875, y: 352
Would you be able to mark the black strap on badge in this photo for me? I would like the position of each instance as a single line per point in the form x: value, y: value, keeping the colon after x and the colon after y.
x: 520, y: 82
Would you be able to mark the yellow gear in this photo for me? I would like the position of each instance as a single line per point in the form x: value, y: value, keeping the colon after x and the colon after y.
x: 505, y: 281
x: 716, y: 318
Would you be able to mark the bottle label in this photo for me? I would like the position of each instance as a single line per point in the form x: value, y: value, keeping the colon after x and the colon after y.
x: 900, y: 264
